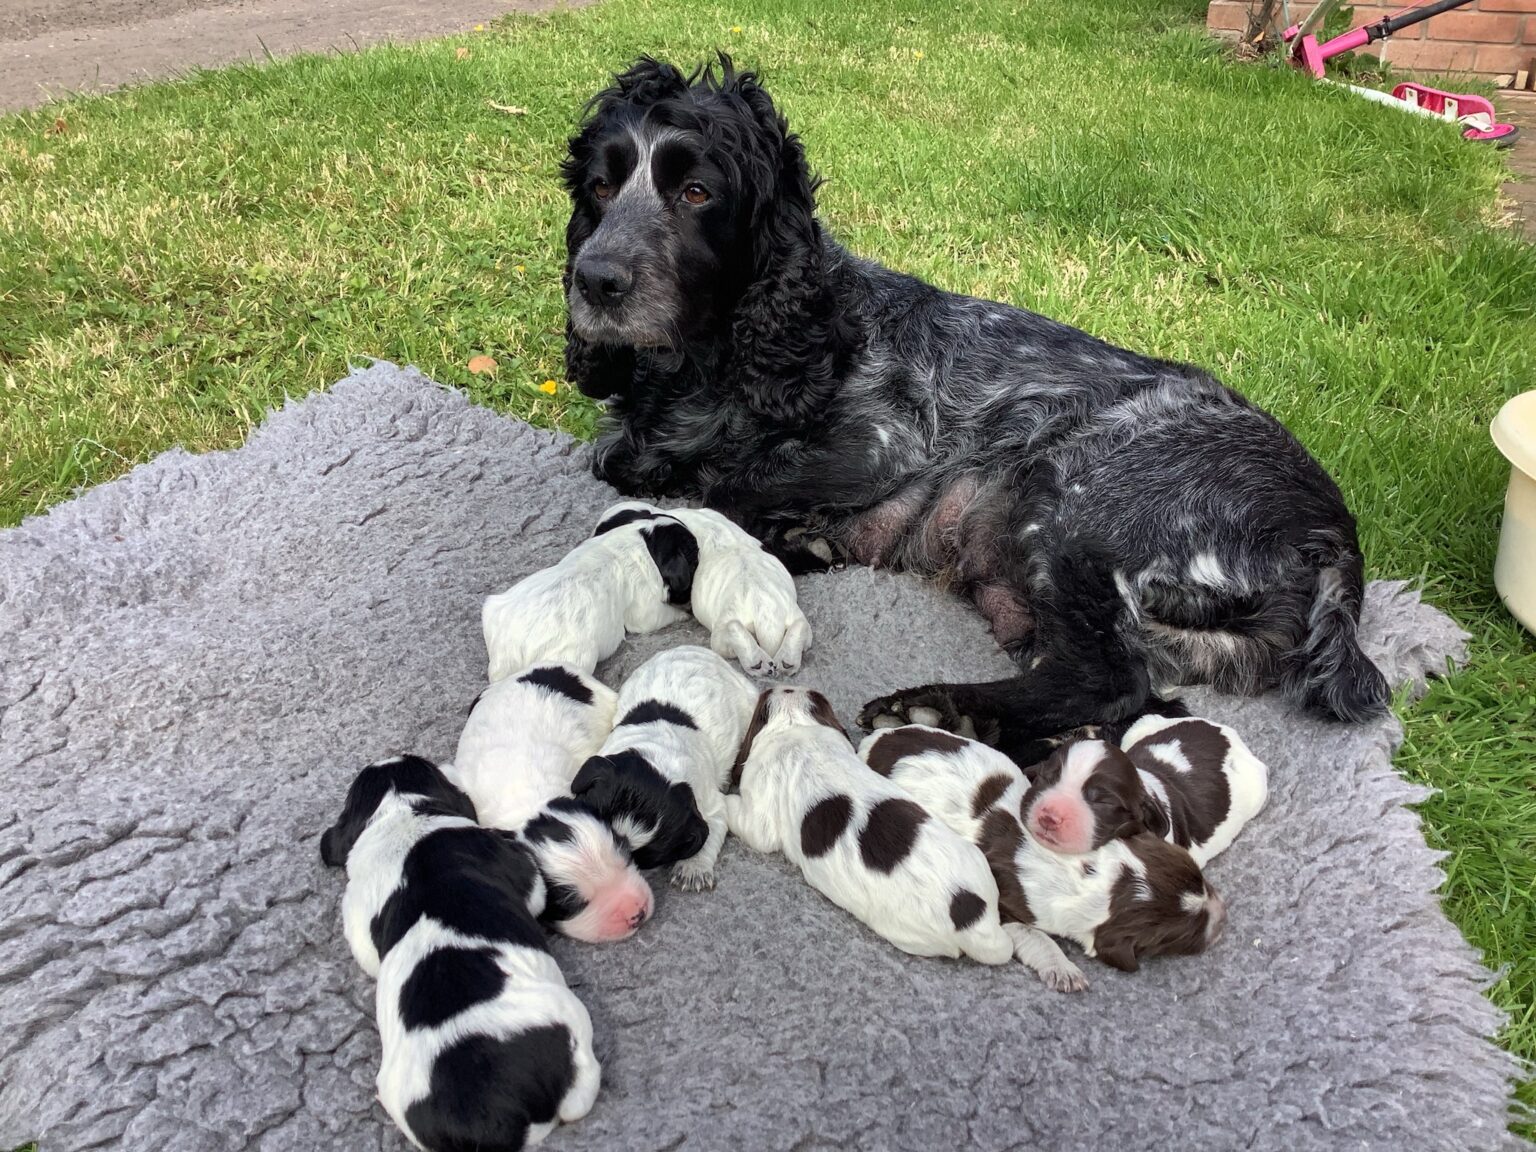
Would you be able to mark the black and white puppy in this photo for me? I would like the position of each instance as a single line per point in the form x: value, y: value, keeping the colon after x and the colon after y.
x: 637, y: 579
x: 484, y: 1045
x: 741, y: 593
x: 1191, y: 781
x: 521, y: 747
x: 1122, y: 902
x: 859, y: 840
x: 660, y: 777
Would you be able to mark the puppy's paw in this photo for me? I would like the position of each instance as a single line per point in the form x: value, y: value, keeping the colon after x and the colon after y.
x: 931, y: 706
x: 1064, y: 978
x: 691, y: 876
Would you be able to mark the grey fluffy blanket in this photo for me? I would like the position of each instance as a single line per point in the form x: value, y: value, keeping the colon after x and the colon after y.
x: 198, y: 657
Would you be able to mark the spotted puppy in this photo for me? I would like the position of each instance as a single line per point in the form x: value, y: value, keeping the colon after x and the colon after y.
x: 1128, y: 900
x: 659, y: 778
x: 1193, y: 782
x: 635, y: 579
x: 744, y: 596
x: 484, y: 1046
x: 522, y: 745
x: 859, y: 840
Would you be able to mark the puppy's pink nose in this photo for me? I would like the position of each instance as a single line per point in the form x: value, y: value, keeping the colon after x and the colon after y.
x: 1048, y: 819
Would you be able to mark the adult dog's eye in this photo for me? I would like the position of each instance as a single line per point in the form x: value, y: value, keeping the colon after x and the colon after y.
x: 696, y: 194
x: 602, y: 189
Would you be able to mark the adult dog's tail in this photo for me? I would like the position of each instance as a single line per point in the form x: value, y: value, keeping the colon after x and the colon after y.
x: 1327, y: 672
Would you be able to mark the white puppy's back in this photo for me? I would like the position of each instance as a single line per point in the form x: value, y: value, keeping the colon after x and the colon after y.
x: 716, y: 698
x: 525, y: 739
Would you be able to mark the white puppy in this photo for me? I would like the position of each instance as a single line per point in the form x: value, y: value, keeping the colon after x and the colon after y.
x: 1126, y: 899
x: 521, y: 747
x: 744, y: 596
x: 659, y: 778
x: 859, y: 840
x: 484, y: 1045
x: 577, y: 612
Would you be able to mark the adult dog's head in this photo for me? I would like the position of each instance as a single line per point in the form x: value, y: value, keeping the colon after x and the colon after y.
x: 692, y: 228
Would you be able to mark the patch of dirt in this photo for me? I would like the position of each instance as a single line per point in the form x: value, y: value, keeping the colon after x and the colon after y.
x: 52, y: 47
x: 1519, y: 109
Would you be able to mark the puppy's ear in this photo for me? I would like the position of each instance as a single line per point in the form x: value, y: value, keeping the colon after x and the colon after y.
x: 1153, y: 818
x: 595, y: 784
x: 1118, y: 952
x: 754, y: 726
x: 676, y: 554
x: 823, y: 713
x: 328, y: 851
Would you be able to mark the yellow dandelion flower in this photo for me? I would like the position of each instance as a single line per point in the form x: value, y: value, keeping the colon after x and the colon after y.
x: 735, y: 29
x: 522, y: 267
x: 548, y: 387
x: 479, y: 27
x: 917, y: 53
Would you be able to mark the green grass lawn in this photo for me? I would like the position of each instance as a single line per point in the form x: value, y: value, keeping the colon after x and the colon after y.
x: 177, y: 258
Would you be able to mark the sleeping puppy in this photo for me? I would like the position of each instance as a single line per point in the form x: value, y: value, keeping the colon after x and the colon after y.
x: 1205, y: 783
x: 484, y: 1046
x: 858, y: 839
x: 743, y: 595
x: 521, y: 747
x: 659, y: 778
x: 577, y: 612
x: 1193, y: 782
x: 1125, y: 901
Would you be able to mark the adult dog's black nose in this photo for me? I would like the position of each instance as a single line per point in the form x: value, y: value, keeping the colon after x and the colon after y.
x: 603, y: 282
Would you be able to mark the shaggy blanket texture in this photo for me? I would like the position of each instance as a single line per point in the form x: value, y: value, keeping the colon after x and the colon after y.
x: 199, y: 656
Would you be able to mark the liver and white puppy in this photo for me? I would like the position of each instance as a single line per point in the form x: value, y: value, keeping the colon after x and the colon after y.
x: 577, y: 612
x: 859, y: 840
x: 744, y: 596
x: 522, y: 745
x: 484, y: 1046
x: 1127, y: 899
x: 1204, y: 781
x: 1190, y: 781
x: 659, y: 778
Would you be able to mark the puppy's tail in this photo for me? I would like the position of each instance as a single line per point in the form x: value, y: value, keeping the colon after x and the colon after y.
x: 1328, y: 672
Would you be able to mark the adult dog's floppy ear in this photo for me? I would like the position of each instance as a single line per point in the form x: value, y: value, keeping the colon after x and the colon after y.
x: 676, y: 553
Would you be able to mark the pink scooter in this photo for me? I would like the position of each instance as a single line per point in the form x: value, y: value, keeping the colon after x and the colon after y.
x: 1476, y: 115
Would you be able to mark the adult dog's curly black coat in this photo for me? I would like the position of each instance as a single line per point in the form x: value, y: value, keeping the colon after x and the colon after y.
x: 1123, y: 522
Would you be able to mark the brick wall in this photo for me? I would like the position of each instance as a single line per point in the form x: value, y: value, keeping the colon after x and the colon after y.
x: 1487, y: 37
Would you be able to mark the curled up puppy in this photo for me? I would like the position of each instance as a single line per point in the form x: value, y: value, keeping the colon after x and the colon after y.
x: 858, y: 839
x: 636, y: 578
x: 484, y: 1045
x: 1123, y: 901
x: 521, y: 747
x: 741, y: 593
x: 1191, y: 781
x: 659, y: 778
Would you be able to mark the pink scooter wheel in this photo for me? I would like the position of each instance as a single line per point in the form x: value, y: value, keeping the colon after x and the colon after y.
x: 1500, y: 135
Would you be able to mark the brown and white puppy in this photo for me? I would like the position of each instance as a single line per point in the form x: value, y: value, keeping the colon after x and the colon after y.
x: 858, y: 839
x: 1191, y: 781
x: 1205, y: 783
x: 1123, y: 901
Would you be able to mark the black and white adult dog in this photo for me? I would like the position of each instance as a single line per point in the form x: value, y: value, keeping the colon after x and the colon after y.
x: 484, y: 1045
x: 1123, y: 522
x: 659, y: 779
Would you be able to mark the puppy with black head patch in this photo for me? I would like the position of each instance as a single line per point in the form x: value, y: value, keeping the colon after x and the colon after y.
x: 521, y: 747
x: 1126, y: 900
x: 484, y: 1045
x: 659, y: 778
x: 1191, y: 781
x: 858, y: 839
x: 636, y: 578
x: 741, y: 593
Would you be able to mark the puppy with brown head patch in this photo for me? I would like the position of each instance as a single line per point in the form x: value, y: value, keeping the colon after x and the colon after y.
x: 1123, y: 900
x: 858, y: 839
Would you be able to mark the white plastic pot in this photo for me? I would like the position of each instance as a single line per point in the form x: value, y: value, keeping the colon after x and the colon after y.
x: 1514, y: 573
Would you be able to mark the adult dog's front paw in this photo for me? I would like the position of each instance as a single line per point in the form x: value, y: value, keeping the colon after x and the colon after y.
x: 690, y: 876
x: 930, y: 705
